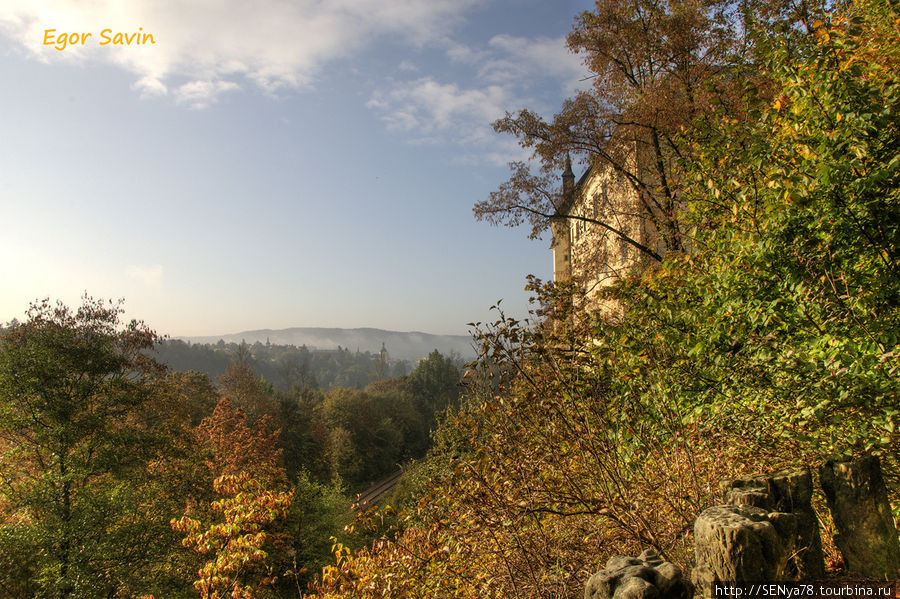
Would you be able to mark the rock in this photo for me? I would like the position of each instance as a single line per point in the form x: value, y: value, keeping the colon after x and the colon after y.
x: 647, y: 576
x: 620, y: 562
x: 741, y: 544
x: 650, y: 557
x: 786, y: 492
x: 636, y: 588
x: 866, y: 535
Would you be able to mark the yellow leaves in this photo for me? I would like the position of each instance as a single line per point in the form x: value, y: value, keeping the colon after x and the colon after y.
x: 237, y: 542
x: 822, y: 33
x: 805, y: 152
x: 783, y: 101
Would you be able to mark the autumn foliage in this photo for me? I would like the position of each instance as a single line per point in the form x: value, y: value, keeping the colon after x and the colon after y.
x: 233, y: 446
x: 238, y: 566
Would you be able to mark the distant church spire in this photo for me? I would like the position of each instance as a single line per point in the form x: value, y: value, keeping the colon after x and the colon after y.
x: 568, y: 176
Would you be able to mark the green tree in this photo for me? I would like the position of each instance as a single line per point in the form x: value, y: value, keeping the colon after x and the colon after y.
x: 798, y: 286
x: 435, y: 384
x: 371, y: 432
x: 248, y: 392
x: 76, y: 429
x: 304, y: 436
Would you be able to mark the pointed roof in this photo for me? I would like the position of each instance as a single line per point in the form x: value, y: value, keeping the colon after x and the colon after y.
x: 568, y: 172
x: 570, y: 187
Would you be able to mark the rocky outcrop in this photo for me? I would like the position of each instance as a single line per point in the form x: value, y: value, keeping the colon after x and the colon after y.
x: 768, y: 532
x: 866, y: 535
x: 647, y: 576
x: 787, y: 492
x: 737, y: 544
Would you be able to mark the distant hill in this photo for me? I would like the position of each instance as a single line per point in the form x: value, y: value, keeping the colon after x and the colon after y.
x: 401, y: 346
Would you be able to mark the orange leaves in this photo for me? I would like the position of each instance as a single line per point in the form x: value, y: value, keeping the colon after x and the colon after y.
x: 782, y: 102
x: 237, y: 447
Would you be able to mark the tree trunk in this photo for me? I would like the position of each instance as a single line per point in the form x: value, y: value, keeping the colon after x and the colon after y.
x: 866, y: 535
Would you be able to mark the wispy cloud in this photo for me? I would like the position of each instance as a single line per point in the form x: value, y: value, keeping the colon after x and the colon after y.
x: 206, y: 47
x: 426, y: 106
x: 199, y: 94
x: 504, y: 76
x: 149, y: 276
x: 518, y: 58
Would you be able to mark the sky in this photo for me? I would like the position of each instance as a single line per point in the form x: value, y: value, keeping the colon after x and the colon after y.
x: 274, y: 163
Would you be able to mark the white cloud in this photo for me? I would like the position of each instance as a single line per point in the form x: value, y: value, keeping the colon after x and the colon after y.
x: 521, y: 58
x: 212, y: 46
x: 505, y: 76
x: 464, y: 54
x: 199, y: 94
x: 149, y: 276
x: 428, y: 106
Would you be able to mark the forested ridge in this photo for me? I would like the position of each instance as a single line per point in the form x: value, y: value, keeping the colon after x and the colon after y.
x: 765, y: 336
x: 285, y: 366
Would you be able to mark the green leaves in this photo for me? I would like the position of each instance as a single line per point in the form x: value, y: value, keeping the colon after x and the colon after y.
x: 805, y: 278
x: 74, y: 406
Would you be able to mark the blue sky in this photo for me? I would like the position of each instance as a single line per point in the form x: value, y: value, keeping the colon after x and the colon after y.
x: 273, y: 163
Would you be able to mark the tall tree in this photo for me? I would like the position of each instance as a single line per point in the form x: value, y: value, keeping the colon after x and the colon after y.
x: 241, y: 531
x: 245, y: 389
x: 435, y: 383
x: 75, y: 425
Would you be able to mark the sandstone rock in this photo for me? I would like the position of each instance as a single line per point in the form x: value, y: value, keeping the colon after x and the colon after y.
x: 787, y: 492
x: 741, y: 544
x: 647, y: 576
x: 866, y: 535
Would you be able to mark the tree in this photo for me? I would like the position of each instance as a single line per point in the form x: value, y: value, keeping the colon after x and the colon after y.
x: 381, y: 363
x: 76, y: 424
x: 304, y: 436
x: 245, y: 389
x: 235, y: 446
x: 372, y: 432
x: 243, y: 468
x: 807, y: 206
x: 294, y: 368
x: 239, y: 568
x: 435, y: 383
x: 242, y: 354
